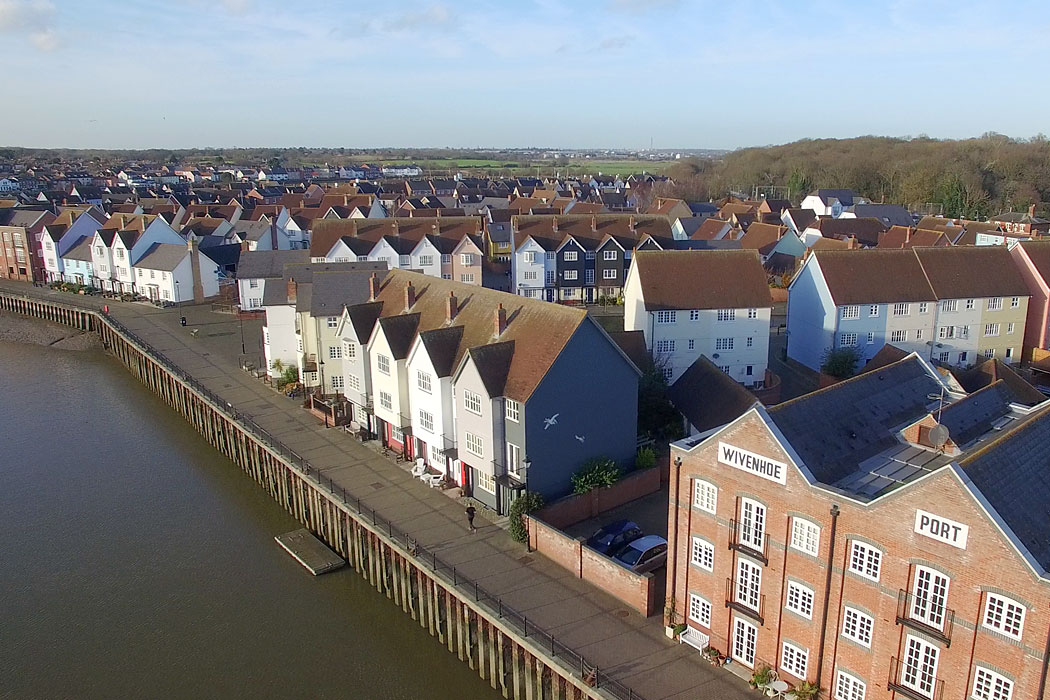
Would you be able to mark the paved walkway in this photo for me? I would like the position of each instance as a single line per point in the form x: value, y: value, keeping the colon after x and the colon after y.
x: 623, y: 644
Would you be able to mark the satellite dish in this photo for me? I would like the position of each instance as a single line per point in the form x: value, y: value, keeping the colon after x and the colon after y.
x: 938, y: 435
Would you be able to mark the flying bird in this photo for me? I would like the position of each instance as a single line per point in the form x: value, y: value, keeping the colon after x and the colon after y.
x: 581, y: 438
x: 553, y: 420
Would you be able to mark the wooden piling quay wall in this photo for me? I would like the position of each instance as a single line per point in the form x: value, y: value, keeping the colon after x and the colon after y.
x: 517, y: 659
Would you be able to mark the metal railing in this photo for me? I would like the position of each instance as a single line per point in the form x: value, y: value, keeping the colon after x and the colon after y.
x: 907, y: 681
x: 906, y: 615
x: 741, y: 605
x: 740, y: 538
x: 570, y: 660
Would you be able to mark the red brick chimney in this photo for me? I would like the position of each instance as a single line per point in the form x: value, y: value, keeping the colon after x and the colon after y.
x: 594, y: 223
x: 501, y: 320
x: 1031, y: 211
x: 630, y: 223
x: 293, y: 291
x: 554, y: 224
x: 373, y: 287
x: 410, y: 296
x: 451, y: 307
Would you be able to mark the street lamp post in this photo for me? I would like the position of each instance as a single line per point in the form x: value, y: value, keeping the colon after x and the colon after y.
x: 526, y: 463
x: 178, y: 302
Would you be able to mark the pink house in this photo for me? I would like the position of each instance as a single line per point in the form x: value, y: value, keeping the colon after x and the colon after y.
x: 1033, y: 260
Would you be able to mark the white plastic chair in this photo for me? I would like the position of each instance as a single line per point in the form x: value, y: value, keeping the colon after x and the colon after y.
x: 433, y: 480
x: 420, y: 469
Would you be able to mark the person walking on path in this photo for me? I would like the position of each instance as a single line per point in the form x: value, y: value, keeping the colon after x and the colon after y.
x: 471, y: 511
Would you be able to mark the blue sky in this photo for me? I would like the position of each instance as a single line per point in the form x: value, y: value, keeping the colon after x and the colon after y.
x: 602, y: 73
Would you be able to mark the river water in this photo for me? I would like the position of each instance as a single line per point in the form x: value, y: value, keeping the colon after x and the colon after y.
x: 136, y: 562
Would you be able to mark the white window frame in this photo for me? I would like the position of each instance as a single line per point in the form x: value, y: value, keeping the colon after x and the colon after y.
x: 848, y: 340
x: 571, y: 275
x: 702, y: 554
x: 915, y: 674
x: 609, y: 255
x: 743, y: 649
x: 700, y: 610
x: 849, y: 687
x: 752, y: 313
x: 995, y: 303
x: 723, y: 343
x: 705, y: 496
x: 858, y: 626
x: 474, y: 445
x: 426, y: 421
x: 466, y: 259
x: 805, y: 536
x: 873, y: 311
x: 383, y: 363
x: 800, y: 599
x: 794, y: 659
x: 513, y: 410
x: 666, y: 317
x: 423, y: 382
x: 989, y: 685
x: 1015, y: 302
x: 748, y: 588
x: 870, y: 564
x: 924, y: 307
x: 486, y: 482
x: 386, y: 400
x: 336, y: 381
x: 991, y: 330
x: 929, y: 602
x: 609, y: 273
x: 1008, y: 609
x: 571, y: 256
x: 902, y: 309
x: 850, y: 313
x: 664, y: 346
x: 752, y: 526
x: 335, y: 352
x: 529, y: 257
x: 349, y: 350
x: 950, y: 305
x: 726, y: 314
x: 472, y: 402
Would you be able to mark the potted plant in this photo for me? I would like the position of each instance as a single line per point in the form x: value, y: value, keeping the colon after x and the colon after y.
x: 761, y: 677
x: 805, y: 691
x: 712, y: 655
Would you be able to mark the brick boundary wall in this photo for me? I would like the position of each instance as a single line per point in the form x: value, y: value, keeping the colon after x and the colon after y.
x: 579, y: 507
x: 636, y: 590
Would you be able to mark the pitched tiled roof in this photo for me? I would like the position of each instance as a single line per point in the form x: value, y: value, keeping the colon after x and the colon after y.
x: 1039, y: 253
x: 708, y: 397
x: 803, y: 218
x: 972, y: 271
x: 702, y: 279
x: 762, y: 237
x: 992, y: 370
x: 867, y: 231
x: 863, y: 276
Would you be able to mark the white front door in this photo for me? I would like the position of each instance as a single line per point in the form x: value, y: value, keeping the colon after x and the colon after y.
x: 920, y: 666
x: 745, y: 640
x: 748, y: 583
x: 930, y: 594
x: 752, y: 524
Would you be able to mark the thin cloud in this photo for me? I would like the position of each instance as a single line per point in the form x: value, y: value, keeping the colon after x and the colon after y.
x: 639, y: 6
x: 31, y: 18
x: 615, y: 43
x: 431, y: 17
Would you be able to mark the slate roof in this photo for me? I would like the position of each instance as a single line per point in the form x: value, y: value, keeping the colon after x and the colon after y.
x: 972, y: 271
x: 442, y: 346
x: 80, y: 250
x: 802, y: 218
x: 276, y: 293
x: 708, y: 397
x: 632, y: 343
x: 845, y: 197
x: 163, y: 256
x: 19, y: 217
x: 702, y: 279
x: 867, y: 231
x: 268, y: 264
x: 888, y: 214
x: 493, y: 363
x: 1011, y: 473
x: 992, y: 370
x: 400, y: 331
x: 328, y: 291
x: 836, y: 428
x: 860, y: 276
x: 973, y: 415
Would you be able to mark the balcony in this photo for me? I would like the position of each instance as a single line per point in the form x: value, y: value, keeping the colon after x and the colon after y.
x: 907, y: 616
x: 741, y: 539
x: 736, y: 602
x: 912, y: 683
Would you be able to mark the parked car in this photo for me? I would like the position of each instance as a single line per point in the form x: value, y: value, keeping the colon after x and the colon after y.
x: 613, y: 536
x: 643, y: 554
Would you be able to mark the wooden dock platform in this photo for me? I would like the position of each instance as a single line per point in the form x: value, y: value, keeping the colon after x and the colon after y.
x: 310, y: 552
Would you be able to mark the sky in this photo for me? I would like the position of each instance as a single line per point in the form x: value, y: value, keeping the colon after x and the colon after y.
x: 548, y: 73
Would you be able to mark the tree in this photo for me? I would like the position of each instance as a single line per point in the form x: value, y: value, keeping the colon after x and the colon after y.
x: 841, y: 363
x: 657, y: 416
x: 528, y: 502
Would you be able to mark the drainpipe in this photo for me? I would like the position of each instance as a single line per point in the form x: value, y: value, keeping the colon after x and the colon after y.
x: 1042, y: 675
x: 673, y: 579
x: 827, y: 593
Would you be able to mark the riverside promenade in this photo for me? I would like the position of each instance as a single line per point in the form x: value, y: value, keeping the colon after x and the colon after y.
x: 624, y: 645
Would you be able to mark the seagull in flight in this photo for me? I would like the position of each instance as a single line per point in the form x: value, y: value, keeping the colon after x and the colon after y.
x: 553, y: 420
x: 581, y: 438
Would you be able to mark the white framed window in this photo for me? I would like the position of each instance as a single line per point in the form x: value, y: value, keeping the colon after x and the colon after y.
x: 748, y: 584
x: 531, y: 275
x: 1015, y: 302
x: 588, y: 276
x: 919, y: 333
x: 299, y: 344
x: 805, y: 536
x: 901, y: 309
x: 513, y: 458
x: 609, y: 273
x: 467, y: 277
x: 752, y: 527
x: 799, y: 599
x: 383, y: 362
x: 750, y: 342
x: 667, y: 372
x: 752, y: 313
x: 873, y: 310
x: 423, y: 381
x: 699, y: 610
x: 727, y: 314
x: 1008, y: 354
x: 349, y: 350
x: 386, y: 400
x: 436, y: 456
x: 335, y: 352
x: 426, y: 421
x: 703, y: 554
x: 665, y: 346
x: 666, y: 317
x: 1003, y: 615
x: 549, y: 277
x: 929, y: 596
x: 920, y: 666
x: 995, y: 304
x: 848, y: 340
x: 529, y: 257
x: 705, y: 496
x: 850, y: 313
x: 354, y: 382
x: 723, y: 343
x: 550, y: 254
x: 849, y: 687
x: 794, y: 659
x: 1010, y: 328
x: 446, y: 259
x: 570, y: 274
x: 990, y: 352
x: 690, y: 344
x: 865, y: 560
x: 475, y: 445
x: 745, y: 641
x: 571, y: 256
x: 694, y: 314
x: 991, y: 329
x: 472, y: 402
x: 332, y: 321
x: 950, y: 305
x: 969, y: 304
x: 589, y: 255
x: 946, y: 332
x: 725, y: 368
x: 857, y: 626
x: 404, y: 260
x: 871, y: 338
x: 337, y: 382
x: 989, y: 685
x: 466, y: 259
x: 923, y: 307
x: 486, y: 482
x: 426, y: 260
x: 609, y: 255
x: 513, y: 410
x: 962, y: 358
x: 898, y: 336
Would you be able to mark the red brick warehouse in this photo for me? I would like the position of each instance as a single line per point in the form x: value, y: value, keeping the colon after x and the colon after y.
x: 886, y: 537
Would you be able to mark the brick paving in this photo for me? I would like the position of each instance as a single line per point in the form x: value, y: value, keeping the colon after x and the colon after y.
x: 628, y: 647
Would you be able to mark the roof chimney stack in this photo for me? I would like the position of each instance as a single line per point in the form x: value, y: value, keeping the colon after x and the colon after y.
x: 410, y: 296
x: 1031, y: 211
x: 373, y: 287
x: 451, y: 307
x: 594, y: 223
x: 293, y: 291
x: 501, y: 320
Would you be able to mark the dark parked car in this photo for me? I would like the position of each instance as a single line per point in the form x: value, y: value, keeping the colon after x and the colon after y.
x: 613, y: 536
x: 643, y: 554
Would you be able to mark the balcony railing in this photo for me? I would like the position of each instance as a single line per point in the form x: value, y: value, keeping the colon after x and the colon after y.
x: 912, y: 683
x: 907, y: 615
x: 742, y: 539
x: 742, y: 605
